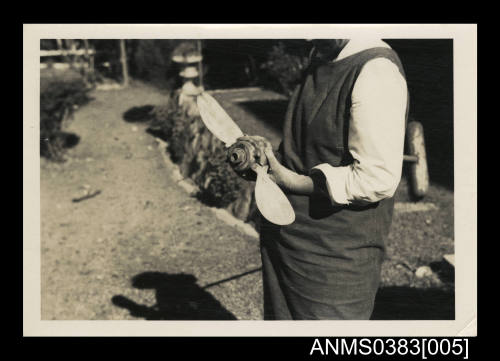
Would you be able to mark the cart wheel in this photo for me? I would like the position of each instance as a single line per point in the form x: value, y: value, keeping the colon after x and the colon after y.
x: 419, y: 175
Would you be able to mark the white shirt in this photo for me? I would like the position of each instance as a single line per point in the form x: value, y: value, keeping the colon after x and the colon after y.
x: 376, y: 132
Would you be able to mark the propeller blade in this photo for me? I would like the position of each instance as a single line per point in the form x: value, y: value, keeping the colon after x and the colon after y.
x: 217, y: 120
x: 271, y: 201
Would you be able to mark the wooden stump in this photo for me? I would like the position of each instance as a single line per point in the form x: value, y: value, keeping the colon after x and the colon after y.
x: 419, y: 175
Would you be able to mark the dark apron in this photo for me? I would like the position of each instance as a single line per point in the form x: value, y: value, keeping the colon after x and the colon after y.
x: 326, y: 265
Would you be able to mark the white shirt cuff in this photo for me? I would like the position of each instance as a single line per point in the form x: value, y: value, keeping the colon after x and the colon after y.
x: 335, y: 182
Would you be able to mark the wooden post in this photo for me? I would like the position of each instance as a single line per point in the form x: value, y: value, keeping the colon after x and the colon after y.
x: 91, y: 63
x: 200, y: 64
x: 60, y: 46
x: 419, y: 175
x: 123, y: 59
x: 70, y: 45
x: 87, y: 72
x: 86, y: 47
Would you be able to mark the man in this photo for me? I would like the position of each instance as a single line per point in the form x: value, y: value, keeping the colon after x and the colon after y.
x: 340, y: 164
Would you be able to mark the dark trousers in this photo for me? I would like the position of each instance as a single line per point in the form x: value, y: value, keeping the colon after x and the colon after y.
x: 338, y: 289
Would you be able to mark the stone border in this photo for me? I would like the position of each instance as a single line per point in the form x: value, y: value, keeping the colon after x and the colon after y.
x: 191, y: 189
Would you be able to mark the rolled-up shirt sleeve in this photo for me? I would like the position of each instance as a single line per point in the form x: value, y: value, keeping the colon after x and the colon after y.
x: 376, y: 137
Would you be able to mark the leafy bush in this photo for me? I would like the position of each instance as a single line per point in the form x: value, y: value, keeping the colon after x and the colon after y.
x: 167, y: 119
x: 178, y: 140
x: 172, y: 122
x: 151, y: 60
x: 205, y: 163
x: 285, y: 67
x: 58, y: 100
x: 221, y: 186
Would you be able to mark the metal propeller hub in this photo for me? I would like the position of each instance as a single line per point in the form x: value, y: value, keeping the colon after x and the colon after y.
x: 242, y: 155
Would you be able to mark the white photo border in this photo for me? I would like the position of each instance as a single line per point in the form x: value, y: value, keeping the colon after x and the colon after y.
x: 465, y: 180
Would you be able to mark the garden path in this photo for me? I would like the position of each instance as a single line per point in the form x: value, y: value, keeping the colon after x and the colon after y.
x: 142, y: 248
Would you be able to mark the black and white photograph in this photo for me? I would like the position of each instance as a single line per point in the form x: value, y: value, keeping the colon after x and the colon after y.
x: 218, y: 173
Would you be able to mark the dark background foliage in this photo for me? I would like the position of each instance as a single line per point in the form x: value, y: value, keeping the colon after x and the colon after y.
x: 428, y: 64
x: 278, y: 65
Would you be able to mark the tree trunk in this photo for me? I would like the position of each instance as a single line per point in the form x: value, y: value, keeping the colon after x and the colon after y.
x: 123, y: 59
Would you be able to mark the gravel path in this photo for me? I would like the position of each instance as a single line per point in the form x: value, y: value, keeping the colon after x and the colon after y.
x: 142, y: 248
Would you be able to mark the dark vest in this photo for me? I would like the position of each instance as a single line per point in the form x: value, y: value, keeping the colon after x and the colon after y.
x: 316, y: 131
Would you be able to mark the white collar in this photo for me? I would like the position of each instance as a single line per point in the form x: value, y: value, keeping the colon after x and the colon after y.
x: 357, y: 45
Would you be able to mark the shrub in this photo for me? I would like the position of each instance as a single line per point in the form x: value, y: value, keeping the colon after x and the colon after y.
x: 205, y: 162
x: 179, y: 136
x: 58, y: 100
x: 168, y: 118
x: 162, y: 117
x: 151, y: 60
x: 219, y: 186
x: 285, y: 67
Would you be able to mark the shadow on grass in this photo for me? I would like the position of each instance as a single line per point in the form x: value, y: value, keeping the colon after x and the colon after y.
x: 407, y: 303
x: 139, y: 114
x: 444, y: 271
x: 178, y: 297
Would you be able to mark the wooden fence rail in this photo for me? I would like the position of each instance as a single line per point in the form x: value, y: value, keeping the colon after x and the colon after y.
x: 44, y: 53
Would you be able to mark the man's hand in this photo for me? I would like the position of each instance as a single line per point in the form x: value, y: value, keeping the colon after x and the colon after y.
x: 284, y: 177
x: 259, y: 144
x: 281, y: 175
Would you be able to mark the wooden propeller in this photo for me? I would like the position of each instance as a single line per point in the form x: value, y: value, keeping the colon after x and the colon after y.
x: 271, y: 201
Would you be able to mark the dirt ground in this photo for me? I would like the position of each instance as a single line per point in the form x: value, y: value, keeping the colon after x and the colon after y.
x: 144, y: 249
x: 141, y: 225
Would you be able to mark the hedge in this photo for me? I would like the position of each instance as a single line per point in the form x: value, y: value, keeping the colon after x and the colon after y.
x: 58, y: 101
x: 203, y: 158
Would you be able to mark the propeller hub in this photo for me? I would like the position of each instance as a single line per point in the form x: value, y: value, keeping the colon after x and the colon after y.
x: 241, y: 155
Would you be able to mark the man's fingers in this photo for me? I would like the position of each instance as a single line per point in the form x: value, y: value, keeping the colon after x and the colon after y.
x: 271, y: 158
x: 245, y: 137
x: 260, y: 143
x: 254, y: 139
